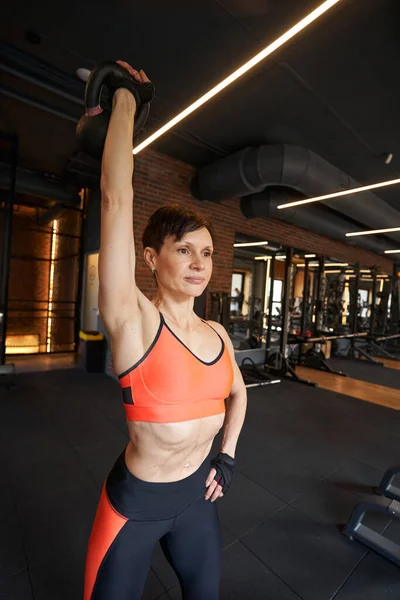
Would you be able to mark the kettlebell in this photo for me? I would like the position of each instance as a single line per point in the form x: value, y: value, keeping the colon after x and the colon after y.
x: 92, y: 128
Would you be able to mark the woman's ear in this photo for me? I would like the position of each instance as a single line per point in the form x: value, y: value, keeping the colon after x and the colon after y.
x: 149, y: 255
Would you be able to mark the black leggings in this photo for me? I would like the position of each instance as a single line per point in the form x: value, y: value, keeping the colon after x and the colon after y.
x: 134, y: 515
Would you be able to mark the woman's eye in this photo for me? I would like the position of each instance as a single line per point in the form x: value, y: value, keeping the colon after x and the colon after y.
x: 183, y: 250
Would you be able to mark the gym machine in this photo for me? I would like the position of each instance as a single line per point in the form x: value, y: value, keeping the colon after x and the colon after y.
x: 394, y: 321
x: 321, y: 320
x: 353, y: 339
x: 389, y: 505
x: 250, y: 360
x: 282, y: 362
x: 381, y: 328
x: 278, y: 362
x: 330, y: 324
x: 308, y: 333
x: 357, y: 348
x: 314, y: 357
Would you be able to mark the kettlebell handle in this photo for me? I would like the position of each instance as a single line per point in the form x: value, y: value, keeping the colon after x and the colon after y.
x: 92, y: 128
x: 95, y: 82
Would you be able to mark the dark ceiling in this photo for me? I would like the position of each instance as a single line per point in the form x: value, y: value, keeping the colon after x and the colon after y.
x: 334, y: 89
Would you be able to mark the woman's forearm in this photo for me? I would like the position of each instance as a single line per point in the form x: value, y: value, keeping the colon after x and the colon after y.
x: 234, y: 419
x: 117, y: 163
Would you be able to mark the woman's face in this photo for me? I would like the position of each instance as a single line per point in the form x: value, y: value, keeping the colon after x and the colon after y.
x: 186, y: 266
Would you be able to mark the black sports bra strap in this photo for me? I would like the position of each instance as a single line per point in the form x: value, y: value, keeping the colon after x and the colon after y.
x: 212, y: 329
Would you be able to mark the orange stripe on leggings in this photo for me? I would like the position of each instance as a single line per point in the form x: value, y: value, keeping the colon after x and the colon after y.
x: 107, y: 525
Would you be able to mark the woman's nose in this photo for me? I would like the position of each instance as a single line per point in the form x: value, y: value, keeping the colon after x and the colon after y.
x: 198, y: 263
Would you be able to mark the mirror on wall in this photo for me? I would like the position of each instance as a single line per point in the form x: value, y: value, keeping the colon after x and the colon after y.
x: 324, y: 293
x: 250, y: 287
x: 337, y: 296
x: 327, y: 296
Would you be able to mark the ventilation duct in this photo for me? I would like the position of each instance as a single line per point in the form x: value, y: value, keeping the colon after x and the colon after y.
x: 4, y: 91
x: 313, y: 219
x: 32, y: 184
x: 32, y: 69
x: 254, y: 170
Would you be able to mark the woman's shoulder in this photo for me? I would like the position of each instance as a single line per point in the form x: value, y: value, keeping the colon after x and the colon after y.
x: 218, y: 328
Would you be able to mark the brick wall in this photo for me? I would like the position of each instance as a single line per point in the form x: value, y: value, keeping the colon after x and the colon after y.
x: 160, y: 180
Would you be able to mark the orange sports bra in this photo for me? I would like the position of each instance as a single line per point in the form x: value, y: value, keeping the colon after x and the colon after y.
x: 170, y: 384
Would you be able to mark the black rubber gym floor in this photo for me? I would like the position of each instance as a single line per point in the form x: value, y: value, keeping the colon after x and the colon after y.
x: 367, y: 372
x: 306, y: 457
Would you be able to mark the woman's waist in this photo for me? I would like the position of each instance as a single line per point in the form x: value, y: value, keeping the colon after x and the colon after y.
x: 139, y: 499
x: 157, y: 465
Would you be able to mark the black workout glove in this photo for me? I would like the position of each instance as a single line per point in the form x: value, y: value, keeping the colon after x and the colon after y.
x: 225, y: 466
x: 142, y: 92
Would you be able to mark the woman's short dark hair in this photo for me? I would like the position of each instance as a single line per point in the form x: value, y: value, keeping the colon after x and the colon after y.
x: 172, y: 220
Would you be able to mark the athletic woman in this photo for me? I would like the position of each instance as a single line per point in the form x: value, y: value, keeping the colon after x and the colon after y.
x: 180, y: 386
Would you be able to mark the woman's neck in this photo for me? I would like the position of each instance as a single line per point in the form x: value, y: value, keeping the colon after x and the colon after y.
x: 181, y: 314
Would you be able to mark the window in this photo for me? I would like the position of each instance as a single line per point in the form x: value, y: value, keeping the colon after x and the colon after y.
x: 236, y: 299
x: 237, y: 282
x: 277, y: 297
x: 364, y: 294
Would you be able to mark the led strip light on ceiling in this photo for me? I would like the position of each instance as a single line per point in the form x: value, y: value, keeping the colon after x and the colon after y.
x: 392, y: 251
x: 326, y: 265
x: 372, y: 231
x: 357, y: 190
x: 245, y: 244
x: 312, y: 16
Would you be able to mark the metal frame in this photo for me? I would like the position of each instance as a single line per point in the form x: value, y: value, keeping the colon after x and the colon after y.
x: 277, y: 362
x: 5, y: 301
x: 36, y: 230
x: 395, y: 303
x: 286, y: 301
x: 306, y: 293
x: 8, y: 222
x: 38, y: 258
x: 270, y: 302
x: 81, y: 268
x: 319, y: 303
x: 373, y: 303
x: 354, y: 307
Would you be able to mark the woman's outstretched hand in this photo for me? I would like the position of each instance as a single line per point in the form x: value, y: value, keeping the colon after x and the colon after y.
x: 138, y: 75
